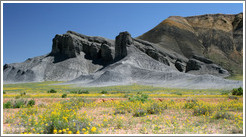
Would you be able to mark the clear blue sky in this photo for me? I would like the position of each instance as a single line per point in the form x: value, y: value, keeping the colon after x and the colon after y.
x: 28, y: 29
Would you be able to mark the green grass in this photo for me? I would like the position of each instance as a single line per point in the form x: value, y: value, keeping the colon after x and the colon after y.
x: 235, y: 77
x: 40, y: 89
x: 43, y: 87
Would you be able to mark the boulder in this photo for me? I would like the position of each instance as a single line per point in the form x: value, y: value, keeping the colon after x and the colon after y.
x: 180, y: 66
x: 193, y: 64
x: 202, y: 59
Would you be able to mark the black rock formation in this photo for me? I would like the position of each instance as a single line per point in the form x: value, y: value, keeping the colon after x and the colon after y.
x: 122, y: 41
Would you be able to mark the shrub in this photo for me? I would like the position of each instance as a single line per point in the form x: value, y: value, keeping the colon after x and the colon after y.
x: 233, y: 97
x: 7, y: 105
x: 237, y: 91
x: 23, y: 93
x: 80, y: 92
x: 222, y: 115
x: 64, y: 95
x: 4, y: 92
x: 140, y: 97
x: 83, y: 92
x: 139, y: 113
x: 18, y: 103
x: 104, y: 92
x: 156, y: 108
x: 190, y: 103
x: 17, y: 97
x: 31, y: 103
x: 201, y: 110
x: 225, y: 92
x: 119, y: 123
x: 64, y: 119
x: 117, y: 111
x: 171, y: 101
x: 52, y: 91
x: 178, y: 93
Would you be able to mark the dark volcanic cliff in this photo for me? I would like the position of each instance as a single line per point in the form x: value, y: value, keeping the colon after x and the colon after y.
x: 218, y: 37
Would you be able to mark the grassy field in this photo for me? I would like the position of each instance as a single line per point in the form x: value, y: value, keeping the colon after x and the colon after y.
x: 132, y: 109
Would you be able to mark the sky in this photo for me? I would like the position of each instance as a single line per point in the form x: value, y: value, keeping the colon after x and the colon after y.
x: 28, y: 28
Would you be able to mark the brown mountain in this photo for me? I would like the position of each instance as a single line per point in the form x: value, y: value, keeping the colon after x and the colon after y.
x: 218, y: 37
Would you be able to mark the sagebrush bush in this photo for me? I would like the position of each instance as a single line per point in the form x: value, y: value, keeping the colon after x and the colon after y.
x: 225, y: 92
x: 104, y: 92
x: 222, y: 115
x: 178, y: 93
x: 139, y: 113
x: 17, y: 97
x: 18, y: 103
x: 233, y: 97
x: 23, y: 93
x: 64, y: 95
x: 7, y: 105
x: 80, y: 92
x: 31, y: 103
x: 202, y: 110
x: 52, y: 91
x: 140, y: 97
x: 237, y: 91
x: 156, y: 108
x: 83, y: 92
x: 190, y: 103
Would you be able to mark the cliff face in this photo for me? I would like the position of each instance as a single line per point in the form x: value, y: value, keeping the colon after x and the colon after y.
x: 218, y: 37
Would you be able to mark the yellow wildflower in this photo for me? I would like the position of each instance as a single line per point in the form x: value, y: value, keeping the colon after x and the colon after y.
x: 93, y: 129
x: 55, y: 131
x: 69, y: 132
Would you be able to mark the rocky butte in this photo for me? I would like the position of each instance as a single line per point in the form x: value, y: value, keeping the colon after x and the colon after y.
x: 182, y: 52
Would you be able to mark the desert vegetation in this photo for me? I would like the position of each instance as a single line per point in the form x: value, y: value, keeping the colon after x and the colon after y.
x: 132, y: 109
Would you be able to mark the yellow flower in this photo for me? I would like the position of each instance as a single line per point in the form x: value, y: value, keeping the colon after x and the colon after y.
x: 67, y: 129
x: 78, y: 132
x: 93, y: 129
x: 69, y: 132
x: 86, y: 132
x: 83, y: 129
x: 55, y: 131
x: 64, y: 130
x: 60, y: 131
x: 33, y: 129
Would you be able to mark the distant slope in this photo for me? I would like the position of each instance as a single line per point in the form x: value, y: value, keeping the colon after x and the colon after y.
x: 218, y: 37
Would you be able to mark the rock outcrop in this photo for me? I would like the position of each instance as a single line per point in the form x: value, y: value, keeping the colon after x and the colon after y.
x: 122, y: 41
x: 72, y: 44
